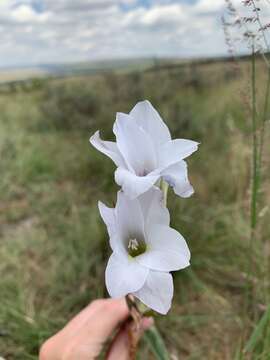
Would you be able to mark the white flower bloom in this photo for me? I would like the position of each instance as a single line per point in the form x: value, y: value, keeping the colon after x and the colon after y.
x: 144, y: 152
x: 145, y: 249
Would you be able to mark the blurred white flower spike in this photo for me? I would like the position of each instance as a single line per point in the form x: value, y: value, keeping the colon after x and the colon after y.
x: 144, y: 152
x: 145, y: 249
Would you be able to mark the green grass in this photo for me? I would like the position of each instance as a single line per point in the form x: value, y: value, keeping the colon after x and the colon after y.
x: 54, y: 247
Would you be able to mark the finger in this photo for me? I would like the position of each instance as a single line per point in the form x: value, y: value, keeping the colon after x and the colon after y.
x: 93, y: 325
x: 101, y: 315
x: 100, y: 325
x: 119, y: 349
x: 106, y: 318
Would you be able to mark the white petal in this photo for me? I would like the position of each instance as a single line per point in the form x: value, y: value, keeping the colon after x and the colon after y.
x: 108, y: 148
x: 134, y: 185
x: 175, y: 150
x: 176, y: 176
x: 129, y: 217
x: 117, y: 239
x: 167, y: 250
x: 135, y: 145
x: 153, y: 208
x: 149, y: 119
x: 108, y: 216
x: 118, y: 243
x: 124, y: 276
x: 157, y: 292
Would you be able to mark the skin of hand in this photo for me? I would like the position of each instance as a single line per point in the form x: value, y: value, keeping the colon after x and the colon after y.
x: 84, y: 336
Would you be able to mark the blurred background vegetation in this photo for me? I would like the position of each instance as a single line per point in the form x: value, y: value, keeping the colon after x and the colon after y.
x: 54, y: 246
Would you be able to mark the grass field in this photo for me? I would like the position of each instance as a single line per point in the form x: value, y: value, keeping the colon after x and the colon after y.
x: 54, y: 246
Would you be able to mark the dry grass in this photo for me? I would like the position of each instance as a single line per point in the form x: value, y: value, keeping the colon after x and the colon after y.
x: 54, y: 246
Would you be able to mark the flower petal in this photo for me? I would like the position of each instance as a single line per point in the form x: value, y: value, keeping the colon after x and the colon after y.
x: 108, y: 148
x: 176, y: 176
x: 124, y: 275
x: 149, y: 119
x: 134, y: 185
x: 108, y: 216
x: 167, y: 250
x: 135, y: 145
x: 129, y: 217
x: 157, y: 292
x: 175, y: 150
x: 153, y: 208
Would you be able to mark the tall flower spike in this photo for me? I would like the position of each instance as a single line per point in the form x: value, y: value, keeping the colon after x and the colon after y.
x: 144, y: 152
x: 145, y: 249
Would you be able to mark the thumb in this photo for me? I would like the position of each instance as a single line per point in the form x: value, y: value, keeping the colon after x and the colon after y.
x: 120, y: 347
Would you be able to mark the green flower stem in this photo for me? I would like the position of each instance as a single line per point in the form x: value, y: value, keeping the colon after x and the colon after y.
x: 156, y: 344
x: 254, y: 196
x: 263, y: 122
x: 164, y: 188
x: 249, y: 293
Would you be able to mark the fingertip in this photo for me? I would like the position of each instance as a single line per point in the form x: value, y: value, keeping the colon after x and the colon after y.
x: 107, y: 315
x: 115, y: 306
x: 119, y: 349
x: 119, y: 306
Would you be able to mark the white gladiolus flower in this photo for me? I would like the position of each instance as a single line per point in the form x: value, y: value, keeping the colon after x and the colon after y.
x: 145, y: 249
x: 144, y: 152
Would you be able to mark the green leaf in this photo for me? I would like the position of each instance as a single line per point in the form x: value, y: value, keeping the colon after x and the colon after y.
x: 258, y: 331
x: 156, y: 343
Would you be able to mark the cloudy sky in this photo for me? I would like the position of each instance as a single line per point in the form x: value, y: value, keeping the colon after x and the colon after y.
x: 49, y: 31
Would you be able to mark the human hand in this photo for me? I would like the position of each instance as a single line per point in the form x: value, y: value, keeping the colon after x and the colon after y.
x: 84, y: 336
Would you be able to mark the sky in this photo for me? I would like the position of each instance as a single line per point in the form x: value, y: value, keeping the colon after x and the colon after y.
x: 58, y: 31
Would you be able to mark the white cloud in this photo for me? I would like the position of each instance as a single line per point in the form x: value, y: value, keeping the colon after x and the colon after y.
x: 78, y: 5
x: 209, y: 5
x: 68, y: 30
x: 26, y: 14
x: 160, y: 15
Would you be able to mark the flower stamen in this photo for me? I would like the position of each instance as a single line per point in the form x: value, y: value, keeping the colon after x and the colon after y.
x: 135, y: 247
x: 133, y: 244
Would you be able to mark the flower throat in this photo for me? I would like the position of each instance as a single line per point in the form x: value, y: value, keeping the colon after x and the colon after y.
x: 136, y: 248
